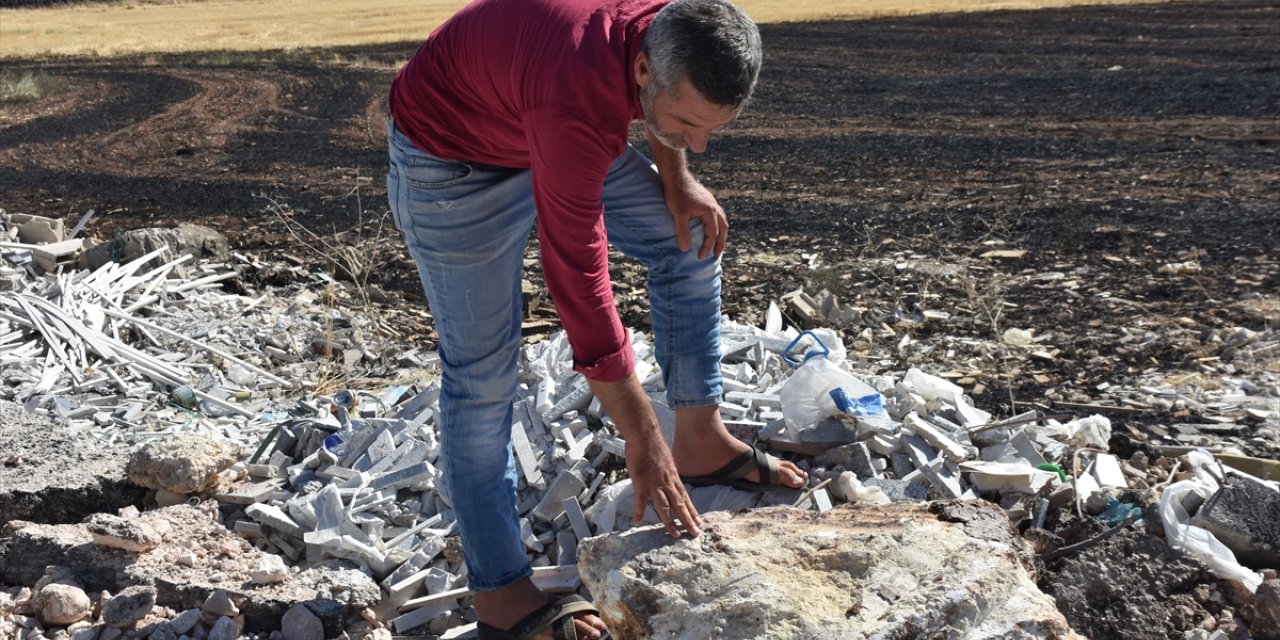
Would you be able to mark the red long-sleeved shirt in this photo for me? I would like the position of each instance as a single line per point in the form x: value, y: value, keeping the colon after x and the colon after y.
x: 547, y: 85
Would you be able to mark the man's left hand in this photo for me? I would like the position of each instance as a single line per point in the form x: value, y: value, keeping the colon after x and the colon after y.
x: 689, y: 199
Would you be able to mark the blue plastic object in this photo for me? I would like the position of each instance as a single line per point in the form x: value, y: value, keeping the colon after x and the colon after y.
x: 864, y: 406
x: 1118, y: 512
x: 822, y: 350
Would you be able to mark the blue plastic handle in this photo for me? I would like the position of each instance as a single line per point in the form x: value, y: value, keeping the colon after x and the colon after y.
x: 824, y: 351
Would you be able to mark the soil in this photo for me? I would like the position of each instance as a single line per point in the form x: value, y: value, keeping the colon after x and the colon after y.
x: 881, y: 160
x: 1131, y: 587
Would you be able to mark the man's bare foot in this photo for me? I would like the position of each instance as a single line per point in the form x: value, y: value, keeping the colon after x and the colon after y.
x: 503, y: 608
x: 703, y: 445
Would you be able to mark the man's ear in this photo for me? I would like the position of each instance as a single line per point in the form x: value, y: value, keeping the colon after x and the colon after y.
x: 644, y: 73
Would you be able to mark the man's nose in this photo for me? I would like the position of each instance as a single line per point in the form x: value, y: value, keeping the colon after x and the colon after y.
x: 697, y: 140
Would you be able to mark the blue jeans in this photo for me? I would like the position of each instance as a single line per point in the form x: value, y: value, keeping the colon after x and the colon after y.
x: 466, y: 225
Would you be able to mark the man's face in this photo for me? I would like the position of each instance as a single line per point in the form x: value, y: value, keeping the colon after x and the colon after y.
x: 680, y: 117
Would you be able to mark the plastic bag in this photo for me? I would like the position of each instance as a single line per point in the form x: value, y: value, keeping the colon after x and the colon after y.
x: 1093, y: 431
x: 820, y: 389
x: 852, y: 490
x: 1198, y: 541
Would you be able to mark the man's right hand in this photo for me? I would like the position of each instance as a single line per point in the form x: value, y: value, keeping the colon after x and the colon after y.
x: 654, y: 479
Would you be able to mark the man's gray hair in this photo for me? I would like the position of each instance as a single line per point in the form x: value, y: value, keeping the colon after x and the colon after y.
x: 712, y: 43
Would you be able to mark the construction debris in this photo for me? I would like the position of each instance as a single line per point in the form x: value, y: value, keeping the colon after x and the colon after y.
x: 293, y: 478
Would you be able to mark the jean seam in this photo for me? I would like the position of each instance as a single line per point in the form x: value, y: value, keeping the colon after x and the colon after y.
x: 428, y: 186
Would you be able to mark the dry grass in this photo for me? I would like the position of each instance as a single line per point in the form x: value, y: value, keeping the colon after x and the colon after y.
x: 150, y: 26
x: 25, y: 87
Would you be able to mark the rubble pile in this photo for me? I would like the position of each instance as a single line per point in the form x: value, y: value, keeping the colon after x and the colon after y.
x: 1226, y: 396
x: 157, y: 345
x: 168, y: 572
x: 298, y: 474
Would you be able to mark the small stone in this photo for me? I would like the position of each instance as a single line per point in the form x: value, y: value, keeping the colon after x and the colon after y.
x: 271, y: 569
x: 62, y: 604
x: 220, y: 604
x: 224, y: 629
x: 166, y: 498
x: 129, y: 606
x: 186, y: 621
x: 300, y: 624
x: 127, y: 535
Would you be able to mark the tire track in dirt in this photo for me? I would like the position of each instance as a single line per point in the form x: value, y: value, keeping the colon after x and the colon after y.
x: 224, y: 106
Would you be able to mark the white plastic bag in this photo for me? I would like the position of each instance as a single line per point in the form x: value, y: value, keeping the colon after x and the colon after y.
x: 820, y: 389
x: 1093, y: 431
x: 853, y: 491
x: 1198, y: 541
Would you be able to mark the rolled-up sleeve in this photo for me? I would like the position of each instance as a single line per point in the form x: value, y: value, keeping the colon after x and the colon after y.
x: 569, y: 160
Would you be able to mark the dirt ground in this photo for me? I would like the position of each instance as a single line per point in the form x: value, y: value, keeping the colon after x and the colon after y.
x: 881, y: 160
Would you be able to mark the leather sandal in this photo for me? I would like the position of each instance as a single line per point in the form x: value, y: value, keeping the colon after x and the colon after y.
x: 557, y: 615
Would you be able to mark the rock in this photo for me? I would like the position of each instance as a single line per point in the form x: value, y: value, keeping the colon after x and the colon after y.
x: 224, y: 629
x: 162, y: 631
x: 900, y: 570
x: 62, y: 604
x: 129, y: 606
x: 1266, y: 611
x: 331, y: 613
x: 220, y: 604
x: 186, y: 463
x: 181, y: 587
x: 197, y: 240
x: 84, y: 633
x: 300, y: 624
x: 270, y: 569
x: 184, y: 622
x: 132, y: 536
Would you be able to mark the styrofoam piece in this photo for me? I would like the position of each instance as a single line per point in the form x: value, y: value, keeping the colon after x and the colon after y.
x: 1106, y: 470
x: 1007, y: 477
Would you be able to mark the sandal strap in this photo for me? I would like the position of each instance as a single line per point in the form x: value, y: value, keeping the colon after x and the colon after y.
x: 770, y: 469
x: 560, y: 610
x: 748, y: 461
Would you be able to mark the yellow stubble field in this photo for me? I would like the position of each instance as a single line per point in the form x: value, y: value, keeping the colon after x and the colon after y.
x: 154, y: 26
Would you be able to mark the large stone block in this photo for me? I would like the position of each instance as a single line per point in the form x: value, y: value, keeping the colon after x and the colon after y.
x: 1245, y: 515
x: 185, y: 463
x: 895, y: 571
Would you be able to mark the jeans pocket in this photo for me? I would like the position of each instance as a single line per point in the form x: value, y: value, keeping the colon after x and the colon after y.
x: 426, y: 172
